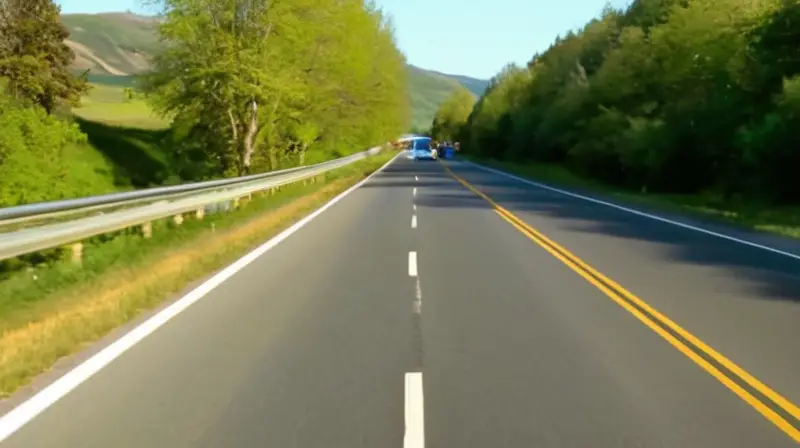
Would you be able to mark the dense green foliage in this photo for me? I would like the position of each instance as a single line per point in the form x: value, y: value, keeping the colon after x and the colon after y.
x: 452, y: 115
x: 258, y: 85
x: 34, y: 60
x: 670, y: 95
x: 345, y: 91
x: 43, y: 157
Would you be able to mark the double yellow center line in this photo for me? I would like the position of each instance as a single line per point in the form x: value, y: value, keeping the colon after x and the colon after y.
x: 777, y: 409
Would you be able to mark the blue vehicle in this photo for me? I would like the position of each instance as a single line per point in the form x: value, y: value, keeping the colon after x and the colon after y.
x: 421, y: 149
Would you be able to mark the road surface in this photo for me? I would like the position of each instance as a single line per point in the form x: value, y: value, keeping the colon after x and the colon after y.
x: 413, y: 304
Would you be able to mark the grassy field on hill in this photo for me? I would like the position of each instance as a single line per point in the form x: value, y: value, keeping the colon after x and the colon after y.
x: 114, y: 46
x: 107, y: 104
x: 427, y: 91
x: 124, y: 135
x: 113, y: 43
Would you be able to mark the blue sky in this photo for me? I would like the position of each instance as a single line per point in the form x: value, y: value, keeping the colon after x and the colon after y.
x: 448, y: 36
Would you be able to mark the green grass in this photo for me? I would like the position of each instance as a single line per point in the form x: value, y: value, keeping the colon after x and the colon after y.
x: 107, y: 104
x: 106, y: 80
x: 748, y: 215
x: 128, y: 136
x: 54, y: 309
x: 137, y: 155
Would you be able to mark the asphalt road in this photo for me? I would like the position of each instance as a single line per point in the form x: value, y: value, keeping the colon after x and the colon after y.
x: 310, y: 345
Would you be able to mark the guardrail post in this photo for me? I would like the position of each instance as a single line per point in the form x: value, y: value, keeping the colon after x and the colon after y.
x: 236, y: 203
x: 200, y: 213
x: 147, y: 229
x: 245, y: 199
x: 177, y: 219
x: 77, y: 252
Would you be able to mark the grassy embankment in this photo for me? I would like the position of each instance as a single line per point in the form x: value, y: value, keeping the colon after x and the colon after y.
x: 124, y: 150
x: 48, y: 313
x: 749, y: 215
x: 128, y: 135
x: 54, y: 308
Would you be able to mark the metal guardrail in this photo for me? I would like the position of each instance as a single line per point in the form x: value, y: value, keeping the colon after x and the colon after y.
x: 162, y: 202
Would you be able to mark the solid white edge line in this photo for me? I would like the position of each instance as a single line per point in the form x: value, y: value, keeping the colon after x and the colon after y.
x: 413, y: 221
x: 414, y: 436
x: 412, y: 264
x: 639, y: 213
x: 29, y: 409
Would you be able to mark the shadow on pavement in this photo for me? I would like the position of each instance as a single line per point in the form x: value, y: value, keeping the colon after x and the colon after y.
x: 773, y: 276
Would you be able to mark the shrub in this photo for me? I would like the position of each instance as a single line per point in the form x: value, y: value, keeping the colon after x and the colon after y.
x: 44, y: 158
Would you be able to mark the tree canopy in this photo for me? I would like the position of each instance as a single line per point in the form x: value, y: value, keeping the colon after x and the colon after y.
x: 257, y: 85
x: 668, y: 95
x: 452, y: 115
x: 34, y: 60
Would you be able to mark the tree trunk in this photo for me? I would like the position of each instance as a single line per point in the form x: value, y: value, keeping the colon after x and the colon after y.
x: 249, y: 144
x: 235, y: 145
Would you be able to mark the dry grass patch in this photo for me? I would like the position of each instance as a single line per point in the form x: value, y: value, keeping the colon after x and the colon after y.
x: 85, y: 312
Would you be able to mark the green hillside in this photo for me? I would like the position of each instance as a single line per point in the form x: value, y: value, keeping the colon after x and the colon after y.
x: 427, y: 90
x: 114, y: 46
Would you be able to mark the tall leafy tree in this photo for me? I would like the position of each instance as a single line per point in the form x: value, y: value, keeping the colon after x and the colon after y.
x: 260, y: 84
x: 34, y: 59
x: 452, y: 115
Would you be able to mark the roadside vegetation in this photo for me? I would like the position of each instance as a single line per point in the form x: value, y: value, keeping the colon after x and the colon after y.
x: 248, y: 101
x: 259, y: 85
x: 244, y: 86
x: 451, y: 115
x: 53, y: 310
x: 690, y: 104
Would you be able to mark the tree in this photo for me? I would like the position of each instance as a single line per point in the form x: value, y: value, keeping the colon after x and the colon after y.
x: 261, y: 83
x: 669, y: 95
x: 33, y: 56
x: 452, y: 115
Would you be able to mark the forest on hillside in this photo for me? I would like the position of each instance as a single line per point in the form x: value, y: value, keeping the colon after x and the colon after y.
x: 678, y: 96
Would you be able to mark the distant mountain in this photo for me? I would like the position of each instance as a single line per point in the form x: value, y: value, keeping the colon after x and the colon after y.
x: 113, y: 46
x: 475, y: 85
